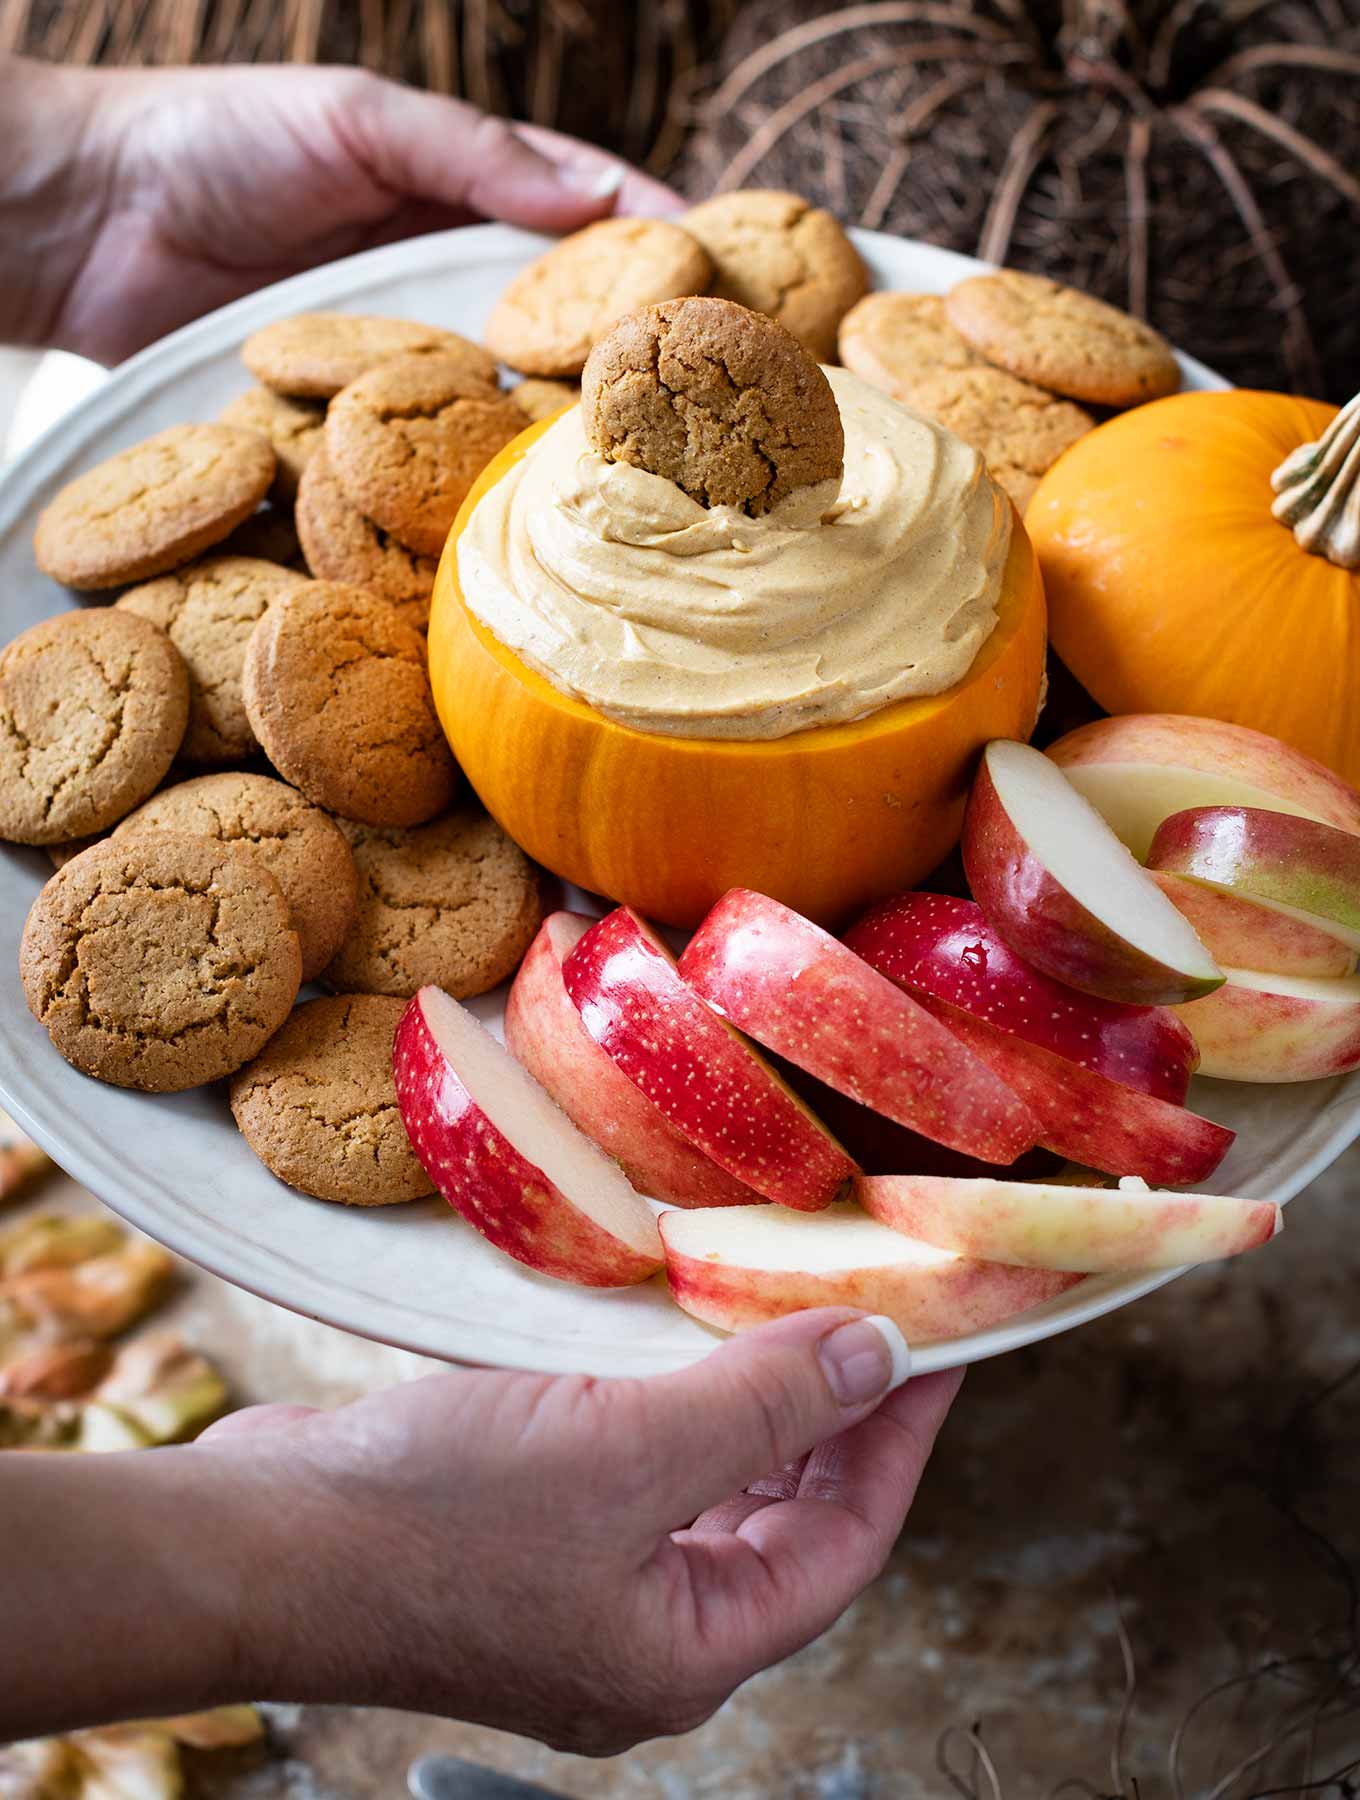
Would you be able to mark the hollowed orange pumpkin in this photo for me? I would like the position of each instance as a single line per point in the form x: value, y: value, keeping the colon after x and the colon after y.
x: 825, y: 820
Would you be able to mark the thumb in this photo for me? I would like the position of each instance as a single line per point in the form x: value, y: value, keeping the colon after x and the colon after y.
x: 764, y: 1399
x: 428, y: 147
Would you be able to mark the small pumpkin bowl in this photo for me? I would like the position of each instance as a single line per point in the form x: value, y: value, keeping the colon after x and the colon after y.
x: 827, y: 820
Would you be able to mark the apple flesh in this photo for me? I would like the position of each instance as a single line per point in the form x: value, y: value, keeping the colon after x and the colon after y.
x: 801, y: 993
x: 696, y: 1069
x: 740, y: 1266
x: 1295, y: 867
x: 937, y: 944
x: 1087, y: 1230
x: 1138, y: 769
x: 544, y: 1032
x: 1242, y: 935
x: 1259, y: 1027
x: 1066, y: 895
x: 508, y: 1160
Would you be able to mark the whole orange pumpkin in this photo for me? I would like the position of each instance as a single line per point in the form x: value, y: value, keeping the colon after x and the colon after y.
x: 825, y: 820
x: 1174, y: 588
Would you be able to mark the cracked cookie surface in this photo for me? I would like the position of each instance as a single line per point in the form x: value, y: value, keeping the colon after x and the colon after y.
x: 407, y: 441
x: 314, y: 355
x: 293, y: 428
x: 160, y: 961
x: 299, y: 844
x: 897, y: 341
x: 337, y: 692
x: 93, y: 706
x: 153, y: 507
x: 340, y: 544
x: 779, y: 254
x: 208, y: 611
x: 720, y: 400
x: 1020, y: 429
x: 552, y: 313
x: 1062, y: 339
x: 455, y: 902
x: 318, y: 1106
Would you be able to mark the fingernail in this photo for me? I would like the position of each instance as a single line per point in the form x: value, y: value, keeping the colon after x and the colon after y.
x: 594, y: 183
x: 864, y: 1359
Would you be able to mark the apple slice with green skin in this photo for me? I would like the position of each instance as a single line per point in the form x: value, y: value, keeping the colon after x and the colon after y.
x: 1087, y: 1230
x: 940, y: 945
x: 711, y: 1085
x: 1138, y: 769
x: 1239, y: 934
x: 543, y: 1030
x: 508, y: 1160
x: 739, y: 1266
x: 1277, y: 1027
x: 1295, y: 867
x: 801, y: 993
x: 1066, y: 895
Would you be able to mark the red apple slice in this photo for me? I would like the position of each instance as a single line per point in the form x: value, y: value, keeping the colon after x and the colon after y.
x: 796, y: 990
x: 741, y: 1265
x: 1240, y: 934
x: 1138, y: 769
x: 1088, y: 1230
x: 1295, y: 867
x: 1277, y: 1027
x: 499, y: 1151
x: 1064, y: 892
x: 700, y: 1073
x: 544, y: 1031
x: 937, y: 944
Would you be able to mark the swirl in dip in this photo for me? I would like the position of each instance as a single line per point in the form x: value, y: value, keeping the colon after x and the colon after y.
x: 669, y: 616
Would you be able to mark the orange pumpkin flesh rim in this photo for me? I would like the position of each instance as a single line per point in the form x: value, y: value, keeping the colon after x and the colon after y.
x: 826, y: 820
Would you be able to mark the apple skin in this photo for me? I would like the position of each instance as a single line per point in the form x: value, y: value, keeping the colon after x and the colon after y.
x: 941, y: 1300
x: 936, y: 944
x: 1087, y: 1230
x: 1048, y: 926
x: 497, y: 1189
x: 1275, y: 858
x: 1239, y: 934
x: 543, y: 1030
x: 702, y: 1075
x: 1138, y: 769
x: 1285, y: 1029
x: 804, y: 995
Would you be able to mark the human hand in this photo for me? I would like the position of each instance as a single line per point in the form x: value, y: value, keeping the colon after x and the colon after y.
x: 590, y: 1563
x: 134, y: 200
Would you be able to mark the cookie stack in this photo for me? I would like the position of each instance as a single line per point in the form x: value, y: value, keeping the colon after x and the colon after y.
x: 1003, y: 360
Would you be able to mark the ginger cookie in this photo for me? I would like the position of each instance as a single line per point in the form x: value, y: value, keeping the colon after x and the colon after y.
x: 896, y: 341
x: 92, y: 709
x: 554, y: 312
x: 160, y: 961
x: 153, y: 507
x: 314, y: 355
x: 407, y: 441
x: 340, y: 544
x: 269, y: 535
x: 208, y: 610
x: 301, y: 846
x: 455, y: 902
x: 318, y: 1105
x: 1020, y: 429
x: 293, y: 427
x: 1062, y: 339
x: 337, y: 693
x: 60, y: 854
x: 779, y: 254
x: 723, y: 402
x: 539, y: 399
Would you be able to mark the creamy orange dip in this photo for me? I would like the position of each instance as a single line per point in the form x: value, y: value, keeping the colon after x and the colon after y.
x: 669, y: 616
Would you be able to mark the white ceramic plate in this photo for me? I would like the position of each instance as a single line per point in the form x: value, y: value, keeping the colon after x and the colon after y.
x: 416, y: 1276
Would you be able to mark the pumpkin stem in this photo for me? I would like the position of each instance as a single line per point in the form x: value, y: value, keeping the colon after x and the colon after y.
x: 1319, y: 491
